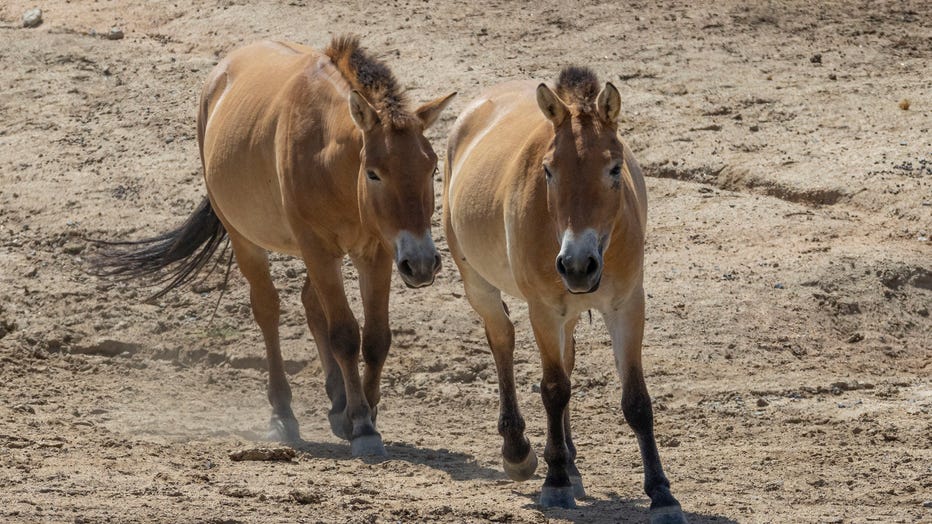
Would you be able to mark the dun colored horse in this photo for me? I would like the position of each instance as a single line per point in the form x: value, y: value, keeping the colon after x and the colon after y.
x: 316, y: 155
x: 543, y: 201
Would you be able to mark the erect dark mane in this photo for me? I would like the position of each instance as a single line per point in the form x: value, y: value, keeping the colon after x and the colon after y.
x: 371, y: 77
x: 578, y: 86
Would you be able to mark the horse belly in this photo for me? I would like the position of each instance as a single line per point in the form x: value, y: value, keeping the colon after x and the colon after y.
x: 247, y: 195
x: 482, y: 238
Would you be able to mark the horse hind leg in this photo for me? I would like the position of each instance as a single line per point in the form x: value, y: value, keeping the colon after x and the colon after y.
x: 254, y: 264
x: 518, y: 458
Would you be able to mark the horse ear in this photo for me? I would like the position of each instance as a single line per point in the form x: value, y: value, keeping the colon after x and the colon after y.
x: 429, y: 112
x: 551, y: 105
x: 609, y: 103
x: 364, y: 115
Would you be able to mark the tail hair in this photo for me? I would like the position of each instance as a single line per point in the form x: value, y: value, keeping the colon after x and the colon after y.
x: 173, y: 258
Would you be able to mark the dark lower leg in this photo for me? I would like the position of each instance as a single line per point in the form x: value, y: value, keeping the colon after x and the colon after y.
x: 555, y: 392
x: 344, y: 339
x: 336, y: 391
x: 515, y: 446
x: 636, y: 406
x: 376, y: 341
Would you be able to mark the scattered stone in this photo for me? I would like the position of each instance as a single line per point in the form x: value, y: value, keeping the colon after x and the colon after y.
x: 108, y: 348
x: 115, y: 33
x: 761, y: 403
x: 32, y: 18
x: 927, y: 504
x: 904, y: 104
x: 778, y: 285
x: 755, y: 128
x: 818, y: 483
x: 832, y: 76
x: 816, y: 58
x: 285, y: 454
x: 24, y: 408
x: 855, y: 337
x: 305, y: 497
x: 74, y: 248
x: 236, y: 492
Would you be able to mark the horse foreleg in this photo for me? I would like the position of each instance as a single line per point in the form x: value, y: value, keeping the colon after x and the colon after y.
x: 518, y: 458
x: 549, y: 330
x: 375, y: 275
x: 569, y: 362
x: 324, y: 273
x: 253, y: 262
x: 336, y: 390
x: 626, y: 326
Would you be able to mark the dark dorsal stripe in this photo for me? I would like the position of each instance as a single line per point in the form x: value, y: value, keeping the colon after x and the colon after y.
x: 578, y: 86
x: 371, y: 77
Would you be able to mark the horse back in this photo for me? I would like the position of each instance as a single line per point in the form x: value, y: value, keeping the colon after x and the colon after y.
x: 260, y: 103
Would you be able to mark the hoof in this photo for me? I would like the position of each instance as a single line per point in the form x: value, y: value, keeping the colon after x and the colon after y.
x: 368, y: 446
x: 338, y: 425
x: 521, y: 471
x: 551, y: 497
x: 284, y: 430
x: 667, y: 515
x: 579, y: 492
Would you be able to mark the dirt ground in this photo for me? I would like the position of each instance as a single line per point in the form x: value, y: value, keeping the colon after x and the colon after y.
x: 788, y: 343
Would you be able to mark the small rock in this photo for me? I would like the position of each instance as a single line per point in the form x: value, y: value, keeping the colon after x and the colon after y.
x: 108, y: 348
x: 904, y: 104
x: 305, y: 497
x: 832, y: 76
x: 927, y: 504
x: 816, y: 58
x: 855, y: 337
x: 32, y: 18
x: 25, y: 408
x: 778, y: 285
x: 291, y: 273
x: 115, y: 33
x: 761, y: 403
x: 263, y: 454
x: 754, y: 128
x: 74, y: 248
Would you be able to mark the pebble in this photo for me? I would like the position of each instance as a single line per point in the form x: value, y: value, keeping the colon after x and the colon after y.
x: 761, y: 403
x: 25, y: 408
x: 816, y: 58
x: 261, y: 454
x: 32, y: 18
x: 927, y: 504
x: 778, y: 285
x: 115, y: 34
x: 904, y: 104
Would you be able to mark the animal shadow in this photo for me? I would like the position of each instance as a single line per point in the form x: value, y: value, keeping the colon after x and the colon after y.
x: 618, y: 509
x: 459, y: 466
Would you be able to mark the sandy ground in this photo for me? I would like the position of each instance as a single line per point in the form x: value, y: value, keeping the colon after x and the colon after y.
x: 788, y: 343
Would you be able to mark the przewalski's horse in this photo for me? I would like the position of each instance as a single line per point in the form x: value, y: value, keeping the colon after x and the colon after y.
x: 315, y: 155
x: 543, y: 201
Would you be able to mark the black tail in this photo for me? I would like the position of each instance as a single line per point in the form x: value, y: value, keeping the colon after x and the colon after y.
x: 175, y: 257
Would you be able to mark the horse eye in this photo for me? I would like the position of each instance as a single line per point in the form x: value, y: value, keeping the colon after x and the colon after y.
x: 372, y: 176
x: 616, y: 171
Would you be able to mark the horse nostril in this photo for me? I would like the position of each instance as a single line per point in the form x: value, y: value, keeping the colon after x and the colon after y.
x: 593, y: 266
x: 405, y: 267
x: 561, y: 269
